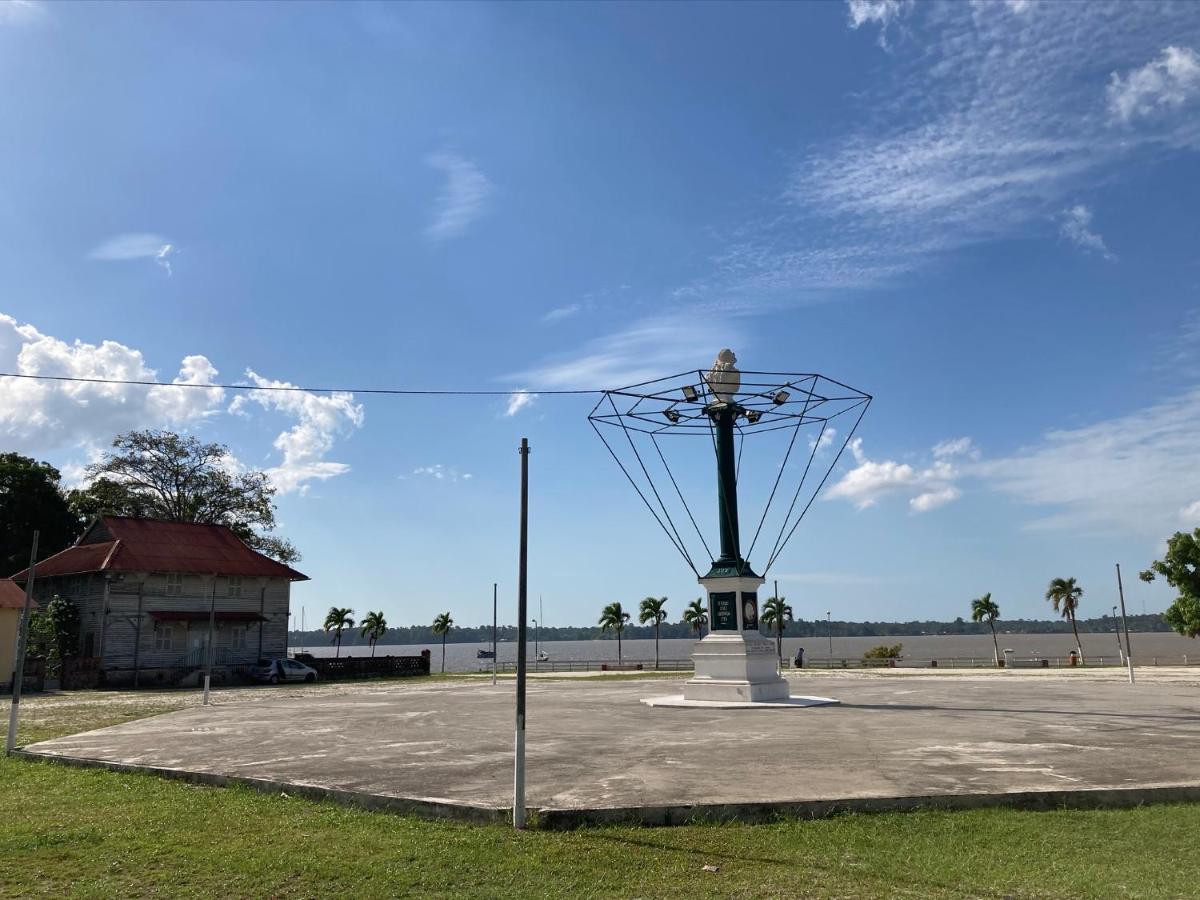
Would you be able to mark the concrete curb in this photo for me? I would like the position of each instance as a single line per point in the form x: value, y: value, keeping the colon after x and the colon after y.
x: 429, y: 809
x: 566, y: 819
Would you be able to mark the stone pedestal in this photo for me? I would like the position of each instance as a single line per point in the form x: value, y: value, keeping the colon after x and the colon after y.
x: 734, y: 663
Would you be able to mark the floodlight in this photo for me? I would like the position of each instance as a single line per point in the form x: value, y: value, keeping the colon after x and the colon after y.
x: 689, y: 393
x: 672, y: 415
x: 753, y: 415
x: 780, y: 398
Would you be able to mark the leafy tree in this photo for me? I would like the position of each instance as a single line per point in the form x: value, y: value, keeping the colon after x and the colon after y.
x: 163, y: 475
x: 653, y: 610
x: 985, y: 609
x: 696, y: 616
x: 30, y: 500
x: 776, y: 614
x: 337, y: 620
x: 442, y: 625
x: 614, y: 618
x: 1064, y: 595
x: 63, y: 618
x: 1180, y: 567
x: 374, y: 626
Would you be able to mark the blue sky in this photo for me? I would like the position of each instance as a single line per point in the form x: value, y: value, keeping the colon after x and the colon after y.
x: 981, y: 213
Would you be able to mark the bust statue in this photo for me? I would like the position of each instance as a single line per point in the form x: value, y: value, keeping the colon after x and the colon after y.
x: 723, y: 378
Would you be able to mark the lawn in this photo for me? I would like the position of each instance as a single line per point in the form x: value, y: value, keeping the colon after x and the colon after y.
x: 99, y: 833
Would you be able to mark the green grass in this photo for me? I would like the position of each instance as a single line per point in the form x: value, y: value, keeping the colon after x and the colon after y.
x: 86, y: 832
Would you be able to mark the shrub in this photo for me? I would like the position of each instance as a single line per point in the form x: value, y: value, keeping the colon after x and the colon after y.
x: 883, y: 651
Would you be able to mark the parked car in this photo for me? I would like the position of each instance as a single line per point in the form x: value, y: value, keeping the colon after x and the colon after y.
x: 273, y: 671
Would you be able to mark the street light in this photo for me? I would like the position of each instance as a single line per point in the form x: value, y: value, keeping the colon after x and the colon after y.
x: 1117, y: 632
x: 535, y: 641
x: 689, y: 393
x: 672, y: 415
x: 829, y: 631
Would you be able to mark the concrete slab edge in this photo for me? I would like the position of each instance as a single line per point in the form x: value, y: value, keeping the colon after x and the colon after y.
x: 429, y: 809
x: 756, y: 813
x: 566, y: 819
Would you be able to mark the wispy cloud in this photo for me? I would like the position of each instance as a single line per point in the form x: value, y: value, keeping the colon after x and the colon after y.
x: 990, y: 118
x: 463, y: 199
x: 876, y: 12
x: 563, y: 312
x: 1163, y: 84
x: 125, y: 247
x: 647, y: 349
x: 439, y: 472
x: 20, y: 12
x: 1075, y: 224
x: 518, y: 401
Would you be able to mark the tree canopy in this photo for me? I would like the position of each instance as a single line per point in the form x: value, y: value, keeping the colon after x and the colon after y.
x: 164, y: 475
x: 1180, y: 567
x: 30, y: 500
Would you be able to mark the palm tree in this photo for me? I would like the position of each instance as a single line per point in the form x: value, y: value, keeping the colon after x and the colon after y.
x: 777, y: 613
x: 696, y: 616
x: 614, y: 618
x: 985, y: 609
x: 442, y: 625
x: 374, y: 626
x: 1064, y: 595
x: 338, y: 620
x: 655, y: 611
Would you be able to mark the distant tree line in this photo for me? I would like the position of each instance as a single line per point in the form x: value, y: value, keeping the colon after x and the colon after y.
x: 802, y: 628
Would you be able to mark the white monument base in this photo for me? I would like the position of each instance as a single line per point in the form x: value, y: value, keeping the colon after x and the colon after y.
x: 734, y: 663
x: 793, y: 702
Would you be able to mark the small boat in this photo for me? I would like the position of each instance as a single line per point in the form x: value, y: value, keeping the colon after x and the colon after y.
x: 485, y: 654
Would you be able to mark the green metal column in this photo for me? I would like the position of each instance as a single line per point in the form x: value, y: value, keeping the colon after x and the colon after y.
x: 727, y: 508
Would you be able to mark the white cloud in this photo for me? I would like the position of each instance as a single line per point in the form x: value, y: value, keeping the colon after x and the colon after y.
x: 876, y: 12
x: 1075, y: 225
x: 826, y: 438
x: 962, y: 446
x: 1165, y: 83
x: 647, y: 349
x: 870, y: 481
x: 438, y: 472
x: 563, y: 312
x: 519, y: 400
x: 463, y: 198
x: 1128, y: 474
x: 39, y: 416
x: 319, y: 418
x: 1190, y: 514
x: 125, y: 247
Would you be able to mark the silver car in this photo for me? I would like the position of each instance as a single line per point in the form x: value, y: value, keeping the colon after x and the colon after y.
x: 273, y: 671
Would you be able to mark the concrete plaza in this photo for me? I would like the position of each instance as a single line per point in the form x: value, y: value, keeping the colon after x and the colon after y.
x: 596, y: 751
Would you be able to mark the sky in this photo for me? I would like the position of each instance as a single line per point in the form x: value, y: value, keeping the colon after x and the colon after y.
x: 983, y: 214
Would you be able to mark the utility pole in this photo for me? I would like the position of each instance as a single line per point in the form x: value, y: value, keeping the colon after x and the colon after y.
x: 18, y: 675
x: 1125, y: 625
x: 522, y: 580
x: 212, y: 627
x: 493, y: 634
x: 1117, y: 632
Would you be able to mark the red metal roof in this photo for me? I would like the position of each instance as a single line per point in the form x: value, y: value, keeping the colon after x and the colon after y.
x: 12, y: 596
x: 153, y: 545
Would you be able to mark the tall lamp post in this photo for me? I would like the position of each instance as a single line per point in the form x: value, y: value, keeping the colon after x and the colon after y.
x: 535, y: 643
x: 829, y: 632
x: 1117, y: 632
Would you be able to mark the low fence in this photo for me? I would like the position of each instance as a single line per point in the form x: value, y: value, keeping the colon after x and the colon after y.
x: 333, y: 668
x: 825, y: 662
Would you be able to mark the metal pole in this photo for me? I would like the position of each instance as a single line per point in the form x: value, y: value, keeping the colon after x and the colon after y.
x: 212, y: 624
x: 1125, y: 625
x: 522, y: 574
x: 494, y: 634
x: 829, y: 631
x: 1117, y: 632
x: 19, y: 657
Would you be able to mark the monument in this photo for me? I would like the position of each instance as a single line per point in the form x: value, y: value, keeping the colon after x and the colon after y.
x: 735, y: 664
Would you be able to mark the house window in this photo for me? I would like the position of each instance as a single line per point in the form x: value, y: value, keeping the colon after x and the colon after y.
x: 174, y: 585
x: 235, y: 585
x: 164, y: 636
x: 237, y: 637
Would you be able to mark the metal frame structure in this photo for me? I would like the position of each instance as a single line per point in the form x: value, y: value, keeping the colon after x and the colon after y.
x: 685, y: 405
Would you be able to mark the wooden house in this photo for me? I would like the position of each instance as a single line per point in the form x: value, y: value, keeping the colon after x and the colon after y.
x: 155, y: 597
